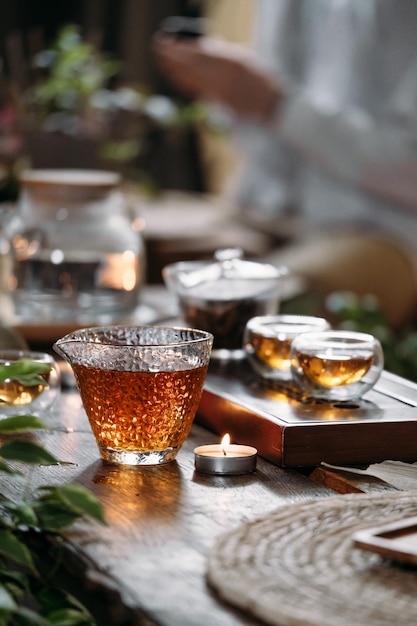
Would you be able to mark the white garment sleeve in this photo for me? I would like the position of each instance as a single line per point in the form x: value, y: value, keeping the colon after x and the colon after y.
x: 381, y: 159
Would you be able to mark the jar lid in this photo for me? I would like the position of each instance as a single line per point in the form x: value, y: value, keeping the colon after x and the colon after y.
x: 73, y: 183
x: 228, y: 276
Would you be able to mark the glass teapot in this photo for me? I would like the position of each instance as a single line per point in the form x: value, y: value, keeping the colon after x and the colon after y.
x: 76, y: 252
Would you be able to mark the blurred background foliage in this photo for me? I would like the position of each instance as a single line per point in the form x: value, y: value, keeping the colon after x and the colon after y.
x: 74, y: 92
x: 78, y: 109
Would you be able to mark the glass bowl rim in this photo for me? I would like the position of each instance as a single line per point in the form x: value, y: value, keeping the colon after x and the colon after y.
x: 261, y: 322
x: 75, y: 336
x: 336, y: 338
x: 14, y: 354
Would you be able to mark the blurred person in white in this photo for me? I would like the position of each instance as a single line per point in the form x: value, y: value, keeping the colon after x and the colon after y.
x: 326, y: 113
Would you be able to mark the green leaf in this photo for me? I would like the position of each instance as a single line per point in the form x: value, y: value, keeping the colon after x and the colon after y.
x: 14, y: 549
x: 5, y: 521
x: 79, y: 500
x: 63, y: 608
x: 25, y: 371
x: 23, y: 514
x: 5, y: 468
x: 27, y: 452
x: 53, y: 516
x: 51, y: 600
x: 20, y: 424
x: 10, y: 578
x: 7, y: 602
x: 31, y: 618
x: 70, y: 617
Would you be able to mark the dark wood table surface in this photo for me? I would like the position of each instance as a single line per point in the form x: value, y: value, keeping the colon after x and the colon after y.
x: 148, y: 565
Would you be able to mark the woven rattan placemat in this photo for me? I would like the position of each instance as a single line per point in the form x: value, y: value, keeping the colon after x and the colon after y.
x: 297, y: 566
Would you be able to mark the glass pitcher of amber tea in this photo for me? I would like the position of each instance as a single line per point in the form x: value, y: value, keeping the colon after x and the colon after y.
x: 76, y: 252
x: 140, y: 387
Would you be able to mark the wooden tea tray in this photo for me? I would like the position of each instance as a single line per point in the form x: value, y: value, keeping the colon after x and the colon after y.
x: 294, y: 432
x: 397, y: 540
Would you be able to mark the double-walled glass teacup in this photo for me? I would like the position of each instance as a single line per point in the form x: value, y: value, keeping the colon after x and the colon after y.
x: 30, y: 382
x: 336, y: 364
x: 268, y: 338
x: 140, y: 387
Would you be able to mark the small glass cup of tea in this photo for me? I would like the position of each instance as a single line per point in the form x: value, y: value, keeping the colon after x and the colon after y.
x: 267, y: 342
x: 140, y: 387
x: 30, y: 382
x: 336, y: 365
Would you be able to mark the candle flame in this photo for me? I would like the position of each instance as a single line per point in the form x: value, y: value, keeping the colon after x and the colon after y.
x: 225, y: 442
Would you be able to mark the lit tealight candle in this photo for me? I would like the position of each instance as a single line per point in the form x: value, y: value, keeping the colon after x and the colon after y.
x: 225, y: 458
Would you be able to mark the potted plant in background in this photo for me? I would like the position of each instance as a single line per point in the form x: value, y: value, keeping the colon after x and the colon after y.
x: 76, y: 115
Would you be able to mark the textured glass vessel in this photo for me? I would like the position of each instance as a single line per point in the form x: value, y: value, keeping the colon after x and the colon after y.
x: 140, y: 387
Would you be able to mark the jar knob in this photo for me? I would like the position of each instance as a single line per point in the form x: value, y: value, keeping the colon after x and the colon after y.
x: 227, y: 254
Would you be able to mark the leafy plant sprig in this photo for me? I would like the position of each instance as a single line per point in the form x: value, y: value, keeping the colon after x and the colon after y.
x: 25, y: 371
x: 27, y: 597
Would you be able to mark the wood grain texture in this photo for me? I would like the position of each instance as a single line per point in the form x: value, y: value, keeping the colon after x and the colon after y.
x: 162, y: 521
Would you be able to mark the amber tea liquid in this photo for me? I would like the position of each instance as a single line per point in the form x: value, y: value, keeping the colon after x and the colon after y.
x: 140, y: 411
x: 274, y: 352
x: 268, y: 345
x: 334, y: 371
x: 13, y: 393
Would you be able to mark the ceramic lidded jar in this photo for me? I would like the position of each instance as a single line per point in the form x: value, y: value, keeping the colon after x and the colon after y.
x: 76, y: 252
x: 222, y: 294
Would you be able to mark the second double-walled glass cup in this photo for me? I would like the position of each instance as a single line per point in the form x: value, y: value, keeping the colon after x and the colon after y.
x: 268, y: 338
x: 336, y: 365
x: 140, y: 387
